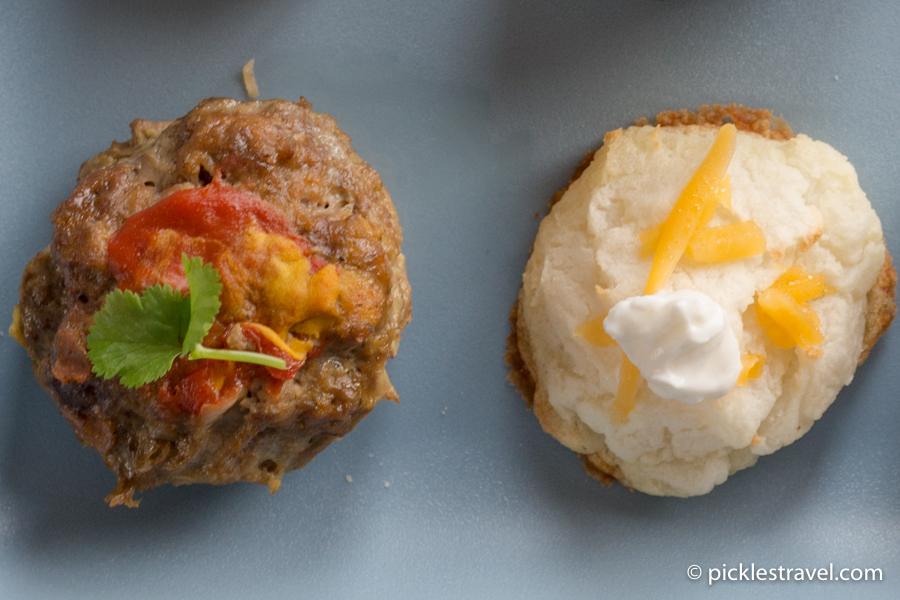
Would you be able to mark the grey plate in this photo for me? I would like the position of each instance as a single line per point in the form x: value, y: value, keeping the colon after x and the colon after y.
x: 474, y: 111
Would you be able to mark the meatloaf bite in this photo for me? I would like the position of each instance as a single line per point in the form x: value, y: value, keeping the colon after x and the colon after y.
x: 220, y: 296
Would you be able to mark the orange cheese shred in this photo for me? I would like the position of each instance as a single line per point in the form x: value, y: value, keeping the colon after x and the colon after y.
x: 626, y: 395
x: 696, y: 202
x: 727, y: 242
x: 751, y: 368
x: 593, y: 333
x: 650, y: 238
x: 795, y: 319
x: 784, y: 314
x: 723, y: 192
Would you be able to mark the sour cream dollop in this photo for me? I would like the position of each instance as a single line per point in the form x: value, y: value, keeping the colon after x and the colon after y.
x: 681, y: 341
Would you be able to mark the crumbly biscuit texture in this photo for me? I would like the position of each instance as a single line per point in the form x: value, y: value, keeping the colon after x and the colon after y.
x: 805, y: 197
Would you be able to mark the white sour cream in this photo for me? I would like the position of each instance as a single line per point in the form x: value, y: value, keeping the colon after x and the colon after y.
x: 681, y: 342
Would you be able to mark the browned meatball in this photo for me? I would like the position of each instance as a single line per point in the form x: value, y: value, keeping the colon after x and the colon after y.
x: 293, y: 160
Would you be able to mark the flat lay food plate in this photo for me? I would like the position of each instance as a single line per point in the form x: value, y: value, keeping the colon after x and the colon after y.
x: 474, y: 113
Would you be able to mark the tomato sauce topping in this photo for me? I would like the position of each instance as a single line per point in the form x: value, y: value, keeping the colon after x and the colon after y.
x: 270, y: 282
x: 208, y: 222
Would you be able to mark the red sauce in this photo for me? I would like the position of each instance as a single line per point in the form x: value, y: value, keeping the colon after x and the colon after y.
x: 195, y: 384
x: 207, y: 222
x: 210, y: 222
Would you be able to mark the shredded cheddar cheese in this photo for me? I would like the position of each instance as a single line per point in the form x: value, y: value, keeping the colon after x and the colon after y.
x: 751, y: 368
x: 728, y: 242
x: 593, y: 333
x: 784, y: 314
x: 693, y: 209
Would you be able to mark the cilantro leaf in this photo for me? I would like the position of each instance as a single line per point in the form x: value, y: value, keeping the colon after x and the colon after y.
x: 205, y: 286
x: 137, y: 337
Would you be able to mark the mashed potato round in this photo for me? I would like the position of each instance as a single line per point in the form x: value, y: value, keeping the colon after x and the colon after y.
x: 806, y: 198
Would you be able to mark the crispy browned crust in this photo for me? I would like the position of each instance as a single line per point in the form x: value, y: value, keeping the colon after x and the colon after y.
x: 599, y: 469
x: 880, y: 309
x: 581, y: 168
x: 519, y: 372
x: 755, y: 120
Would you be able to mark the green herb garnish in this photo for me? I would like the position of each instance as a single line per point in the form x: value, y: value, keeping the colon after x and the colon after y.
x: 137, y: 337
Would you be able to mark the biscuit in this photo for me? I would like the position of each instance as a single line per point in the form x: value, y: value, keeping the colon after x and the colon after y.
x: 806, y: 198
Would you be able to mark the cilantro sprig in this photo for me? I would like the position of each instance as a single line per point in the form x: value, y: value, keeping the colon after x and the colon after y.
x: 139, y: 336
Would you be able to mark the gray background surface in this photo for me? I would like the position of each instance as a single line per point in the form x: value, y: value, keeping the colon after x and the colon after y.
x: 474, y: 111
